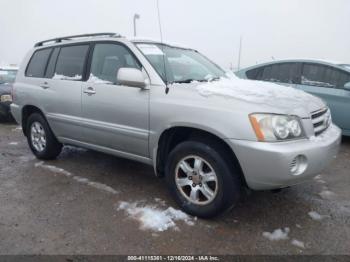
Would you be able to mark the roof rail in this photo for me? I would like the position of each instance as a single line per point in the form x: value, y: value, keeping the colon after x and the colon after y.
x: 60, y: 39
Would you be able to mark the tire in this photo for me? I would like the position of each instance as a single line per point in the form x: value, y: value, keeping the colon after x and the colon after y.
x: 208, y: 203
x: 50, y: 148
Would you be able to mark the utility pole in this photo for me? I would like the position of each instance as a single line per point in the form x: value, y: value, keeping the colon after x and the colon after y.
x: 239, y: 53
x: 136, y: 16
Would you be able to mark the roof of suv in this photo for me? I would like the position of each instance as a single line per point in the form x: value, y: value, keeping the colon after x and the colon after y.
x: 102, y: 36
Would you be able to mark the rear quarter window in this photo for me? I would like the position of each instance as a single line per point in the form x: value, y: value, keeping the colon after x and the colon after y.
x: 37, y: 63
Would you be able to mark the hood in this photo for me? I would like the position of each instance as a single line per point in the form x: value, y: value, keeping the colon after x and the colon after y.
x: 5, y: 88
x: 282, y: 99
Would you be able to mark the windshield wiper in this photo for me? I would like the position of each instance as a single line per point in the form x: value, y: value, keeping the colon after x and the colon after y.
x: 187, y: 81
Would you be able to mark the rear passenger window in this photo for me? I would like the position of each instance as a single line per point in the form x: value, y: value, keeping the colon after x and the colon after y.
x: 70, y: 62
x: 38, y: 62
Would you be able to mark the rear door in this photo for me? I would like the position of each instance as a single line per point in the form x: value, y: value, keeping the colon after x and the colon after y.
x: 115, y: 116
x: 328, y: 83
x: 62, y: 87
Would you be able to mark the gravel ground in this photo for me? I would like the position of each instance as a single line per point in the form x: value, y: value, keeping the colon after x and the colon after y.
x: 86, y: 202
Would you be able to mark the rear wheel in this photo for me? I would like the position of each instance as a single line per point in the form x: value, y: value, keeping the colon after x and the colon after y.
x: 41, y: 140
x: 203, y: 183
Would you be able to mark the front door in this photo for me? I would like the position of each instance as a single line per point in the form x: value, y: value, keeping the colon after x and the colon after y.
x: 115, y: 116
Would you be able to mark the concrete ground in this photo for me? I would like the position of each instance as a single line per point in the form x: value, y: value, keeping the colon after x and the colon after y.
x: 91, y: 203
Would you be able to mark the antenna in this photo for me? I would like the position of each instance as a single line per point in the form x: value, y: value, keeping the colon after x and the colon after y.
x: 161, y: 40
x: 239, y: 53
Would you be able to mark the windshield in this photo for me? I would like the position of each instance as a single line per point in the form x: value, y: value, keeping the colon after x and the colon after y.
x: 7, y: 76
x: 182, y: 65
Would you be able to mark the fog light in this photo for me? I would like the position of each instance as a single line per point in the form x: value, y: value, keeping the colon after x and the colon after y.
x: 298, y: 165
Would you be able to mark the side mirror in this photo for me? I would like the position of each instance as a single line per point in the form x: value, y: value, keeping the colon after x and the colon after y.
x: 131, y: 77
x: 347, y: 86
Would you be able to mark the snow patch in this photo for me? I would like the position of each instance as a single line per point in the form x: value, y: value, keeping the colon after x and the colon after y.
x: 17, y: 129
x: 318, y: 177
x: 153, y: 218
x: 53, y: 169
x: 82, y: 180
x: 315, y: 216
x: 95, y: 80
x: 101, y: 186
x: 63, y: 77
x: 257, y: 92
x: 298, y: 243
x: 326, y: 194
x: 278, y: 234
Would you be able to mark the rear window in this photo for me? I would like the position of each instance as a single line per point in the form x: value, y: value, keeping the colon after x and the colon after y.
x: 70, y: 62
x: 38, y: 62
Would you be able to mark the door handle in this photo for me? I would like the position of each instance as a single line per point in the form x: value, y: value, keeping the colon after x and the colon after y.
x: 90, y: 91
x: 45, y: 85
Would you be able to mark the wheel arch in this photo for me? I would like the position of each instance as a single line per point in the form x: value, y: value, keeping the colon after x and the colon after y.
x: 173, y: 136
x: 27, y: 110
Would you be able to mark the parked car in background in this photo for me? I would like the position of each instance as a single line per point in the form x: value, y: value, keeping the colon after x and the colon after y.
x: 325, y: 79
x: 7, y: 78
x: 174, y: 109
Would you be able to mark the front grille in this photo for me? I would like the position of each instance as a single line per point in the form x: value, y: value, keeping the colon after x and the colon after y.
x: 321, y: 120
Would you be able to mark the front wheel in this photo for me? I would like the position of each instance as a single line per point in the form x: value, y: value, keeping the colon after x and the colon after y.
x: 201, y: 179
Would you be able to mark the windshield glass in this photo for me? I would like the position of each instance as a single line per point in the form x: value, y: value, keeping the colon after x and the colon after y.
x: 182, y: 65
x: 7, y: 76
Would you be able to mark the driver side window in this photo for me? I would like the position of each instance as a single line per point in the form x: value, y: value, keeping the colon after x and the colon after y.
x: 106, y: 61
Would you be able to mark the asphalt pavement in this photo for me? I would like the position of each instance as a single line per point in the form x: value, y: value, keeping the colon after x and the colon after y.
x: 87, y: 202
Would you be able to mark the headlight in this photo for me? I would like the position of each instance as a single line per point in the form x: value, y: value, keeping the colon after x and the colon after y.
x: 271, y: 127
x: 6, y: 98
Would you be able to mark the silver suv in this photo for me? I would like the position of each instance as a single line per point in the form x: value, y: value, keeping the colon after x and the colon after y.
x: 208, y: 133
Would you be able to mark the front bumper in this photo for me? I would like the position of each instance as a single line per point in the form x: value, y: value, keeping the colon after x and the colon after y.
x: 268, y: 165
x: 16, y: 113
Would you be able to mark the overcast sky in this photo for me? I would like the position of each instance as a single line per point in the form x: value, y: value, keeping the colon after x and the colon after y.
x: 269, y: 28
